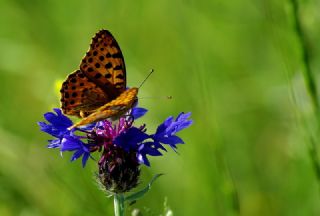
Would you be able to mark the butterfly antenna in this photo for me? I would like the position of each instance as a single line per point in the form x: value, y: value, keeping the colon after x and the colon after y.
x: 146, y: 78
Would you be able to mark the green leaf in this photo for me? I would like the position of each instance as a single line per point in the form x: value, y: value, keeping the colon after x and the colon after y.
x: 142, y: 192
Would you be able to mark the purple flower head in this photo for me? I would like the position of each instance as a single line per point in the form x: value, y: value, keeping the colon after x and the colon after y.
x: 126, y: 137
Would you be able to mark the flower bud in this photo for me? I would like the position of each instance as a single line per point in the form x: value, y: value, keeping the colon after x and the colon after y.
x: 119, y: 170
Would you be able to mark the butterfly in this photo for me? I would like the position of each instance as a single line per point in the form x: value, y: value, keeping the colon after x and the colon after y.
x: 98, y: 90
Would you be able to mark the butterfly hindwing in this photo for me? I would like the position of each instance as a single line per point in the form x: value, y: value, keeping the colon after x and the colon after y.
x: 79, y: 94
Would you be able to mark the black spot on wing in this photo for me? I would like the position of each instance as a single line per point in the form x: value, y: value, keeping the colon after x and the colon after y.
x: 108, y: 65
x: 117, y: 55
x: 81, y: 75
x: 120, y: 76
x: 97, y: 76
x: 118, y: 67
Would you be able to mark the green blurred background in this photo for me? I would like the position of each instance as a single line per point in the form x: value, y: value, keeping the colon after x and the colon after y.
x: 236, y: 65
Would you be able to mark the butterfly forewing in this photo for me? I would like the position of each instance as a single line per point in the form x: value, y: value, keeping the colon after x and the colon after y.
x: 104, y: 64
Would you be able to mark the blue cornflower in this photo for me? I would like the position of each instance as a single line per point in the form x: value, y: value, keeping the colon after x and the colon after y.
x: 123, y: 146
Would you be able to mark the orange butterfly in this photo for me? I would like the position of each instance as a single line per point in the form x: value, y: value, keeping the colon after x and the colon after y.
x: 98, y: 90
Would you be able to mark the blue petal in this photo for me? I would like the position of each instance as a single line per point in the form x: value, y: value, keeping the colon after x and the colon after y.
x: 145, y: 149
x: 130, y: 139
x: 49, y: 129
x: 54, y: 143
x: 162, y: 127
x: 166, y: 131
x: 183, y: 117
x: 70, y: 143
x: 85, y: 159
x: 143, y: 159
x: 178, y: 126
x: 157, y: 145
x: 138, y: 112
x: 77, y: 154
x: 149, y: 148
x: 43, y: 126
x: 58, y: 124
x: 172, y: 127
x: 173, y: 140
x: 58, y: 119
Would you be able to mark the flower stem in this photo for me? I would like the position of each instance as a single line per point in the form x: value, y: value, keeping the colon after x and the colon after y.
x: 118, y: 205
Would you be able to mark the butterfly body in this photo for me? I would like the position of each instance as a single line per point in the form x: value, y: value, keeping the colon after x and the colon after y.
x: 114, y: 109
x: 98, y: 89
